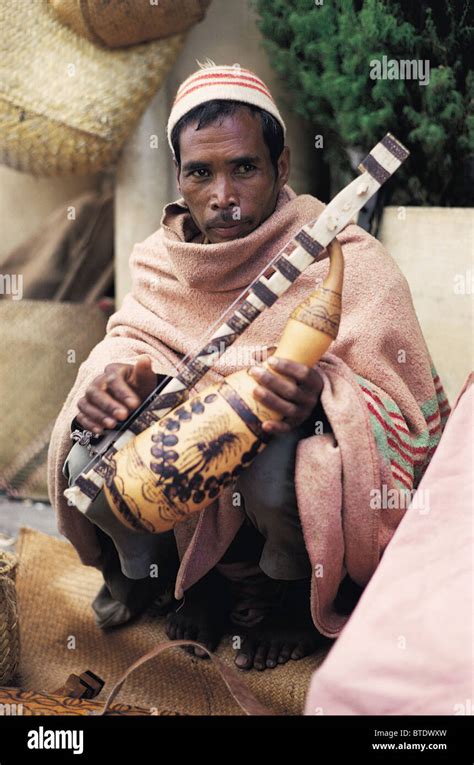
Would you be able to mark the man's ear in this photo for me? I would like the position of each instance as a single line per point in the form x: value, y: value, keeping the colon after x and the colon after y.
x: 284, y: 166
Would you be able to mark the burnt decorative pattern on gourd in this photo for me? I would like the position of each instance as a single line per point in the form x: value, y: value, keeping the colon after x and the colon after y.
x: 189, y: 482
x: 323, y: 314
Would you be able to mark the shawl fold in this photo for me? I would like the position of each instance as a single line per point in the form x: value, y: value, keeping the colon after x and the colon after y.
x: 381, y: 394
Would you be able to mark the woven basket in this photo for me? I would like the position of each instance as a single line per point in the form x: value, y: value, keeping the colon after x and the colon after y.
x: 66, y: 105
x: 128, y: 22
x: 33, y: 703
x: 9, y: 624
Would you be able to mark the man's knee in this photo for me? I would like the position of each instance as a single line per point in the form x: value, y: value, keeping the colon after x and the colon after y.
x: 268, y: 501
x: 268, y: 485
x: 263, y: 498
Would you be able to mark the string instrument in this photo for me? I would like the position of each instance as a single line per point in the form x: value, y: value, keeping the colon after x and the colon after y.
x: 174, y: 455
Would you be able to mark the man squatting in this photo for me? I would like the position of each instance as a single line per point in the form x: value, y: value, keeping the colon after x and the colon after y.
x: 232, y: 169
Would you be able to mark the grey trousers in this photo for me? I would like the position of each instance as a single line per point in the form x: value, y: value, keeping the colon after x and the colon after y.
x: 268, y: 490
x: 269, y: 501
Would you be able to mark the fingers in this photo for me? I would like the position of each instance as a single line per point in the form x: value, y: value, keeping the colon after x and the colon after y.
x: 98, y: 396
x: 276, y: 428
x: 143, y: 361
x: 142, y: 369
x: 121, y: 391
x: 286, y: 388
x: 275, y: 402
x: 108, y: 399
x: 97, y: 409
x: 262, y: 354
x: 112, y: 396
x: 93, y: 418
x: 292, y: 398
x: 141, y: 377
x: 306, y: 377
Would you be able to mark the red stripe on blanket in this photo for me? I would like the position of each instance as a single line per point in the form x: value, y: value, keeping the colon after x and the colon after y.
x: 407, y: 457
x: 431, y: 429
x: 402, y: 469
x: 400, y: 478
x: 387, y: 427
x: 394, y: 414
x: 381, y: 403
x: 416, y: 460
x: 384, y: 423
x: 402, y: 429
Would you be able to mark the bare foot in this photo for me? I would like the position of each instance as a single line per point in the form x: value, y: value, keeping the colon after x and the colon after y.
x: 203, y: 614
x: 286, y: 633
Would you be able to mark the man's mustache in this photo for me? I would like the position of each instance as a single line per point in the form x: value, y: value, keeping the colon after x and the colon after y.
x: 227, y: 219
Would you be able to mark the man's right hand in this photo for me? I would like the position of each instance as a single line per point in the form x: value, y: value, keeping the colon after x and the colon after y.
x: 116, y: 393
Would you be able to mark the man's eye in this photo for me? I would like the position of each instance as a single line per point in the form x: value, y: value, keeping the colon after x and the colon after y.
x: 246, y: 168
x: 200, y: 172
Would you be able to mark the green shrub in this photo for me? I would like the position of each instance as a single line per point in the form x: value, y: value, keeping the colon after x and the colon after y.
x: 324, y: 52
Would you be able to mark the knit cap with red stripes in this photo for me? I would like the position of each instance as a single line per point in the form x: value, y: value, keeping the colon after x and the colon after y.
x: 231, y: 83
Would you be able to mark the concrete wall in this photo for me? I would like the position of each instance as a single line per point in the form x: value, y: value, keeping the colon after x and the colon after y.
x: 434, y: 247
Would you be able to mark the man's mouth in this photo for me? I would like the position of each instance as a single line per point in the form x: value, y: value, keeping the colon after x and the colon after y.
x: 228, y: 230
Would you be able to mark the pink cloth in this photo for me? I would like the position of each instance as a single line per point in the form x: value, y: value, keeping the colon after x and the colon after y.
x: 407, y: 648
x: 381, y: 394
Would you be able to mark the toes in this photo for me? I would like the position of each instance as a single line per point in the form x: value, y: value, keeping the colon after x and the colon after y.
x: 274, y: 653
x: 285, y: 653
x: 260, y: 652
x: 186, y: 631
x: 297, y: 653
x: 244, y: 659
x: 263, y: 654
x: 210, y: 641
x: 183, y: 631
x: 305, y: 648
x: 260, y: 660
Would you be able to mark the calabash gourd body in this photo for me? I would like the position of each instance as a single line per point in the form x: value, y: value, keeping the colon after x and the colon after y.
x: 180, y: 464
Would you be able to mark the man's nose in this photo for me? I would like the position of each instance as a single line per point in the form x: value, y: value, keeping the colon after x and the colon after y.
x: 223, y: 194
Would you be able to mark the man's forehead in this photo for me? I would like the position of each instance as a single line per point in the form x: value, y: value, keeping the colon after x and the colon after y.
x: 241, y: 131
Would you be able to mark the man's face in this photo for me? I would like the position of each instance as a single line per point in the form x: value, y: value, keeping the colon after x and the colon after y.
x: 226, y: 176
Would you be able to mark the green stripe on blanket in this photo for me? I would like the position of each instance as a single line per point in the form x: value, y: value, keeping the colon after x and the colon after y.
x: 408, y: 454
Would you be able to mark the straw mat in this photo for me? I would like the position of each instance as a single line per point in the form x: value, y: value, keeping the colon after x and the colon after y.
x: 59, y: 636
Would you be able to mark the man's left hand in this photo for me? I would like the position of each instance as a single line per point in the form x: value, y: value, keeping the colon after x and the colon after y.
x: 294, y: 396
